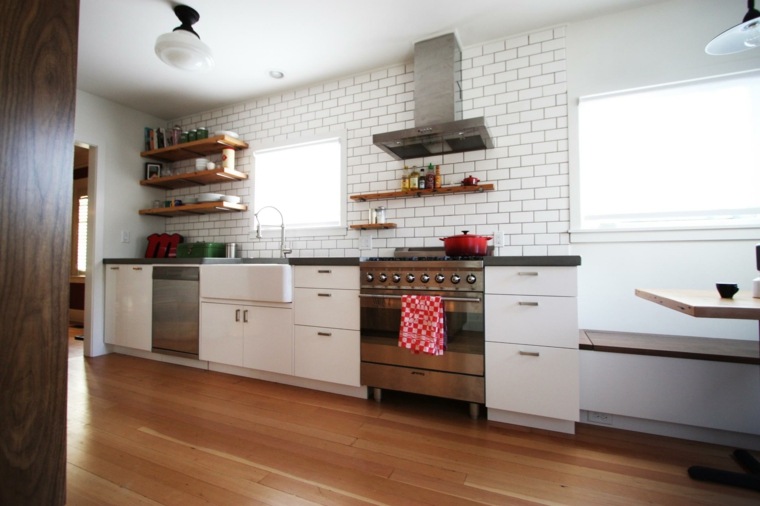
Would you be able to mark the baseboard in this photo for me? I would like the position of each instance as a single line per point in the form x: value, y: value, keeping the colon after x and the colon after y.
x: 688, y: 432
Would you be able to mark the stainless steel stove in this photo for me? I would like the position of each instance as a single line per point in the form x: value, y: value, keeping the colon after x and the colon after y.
x: 459, y: 372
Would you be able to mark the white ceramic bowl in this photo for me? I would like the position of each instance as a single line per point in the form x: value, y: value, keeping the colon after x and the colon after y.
x: 209, y: 197
x: 200, y: 163
x: 234, y: 135
x: 231, y: 199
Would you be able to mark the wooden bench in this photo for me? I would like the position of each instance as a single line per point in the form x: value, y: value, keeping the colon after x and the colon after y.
x: 697, y: 348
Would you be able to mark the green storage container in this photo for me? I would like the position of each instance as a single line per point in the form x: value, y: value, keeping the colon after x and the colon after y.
x: 200, y: 250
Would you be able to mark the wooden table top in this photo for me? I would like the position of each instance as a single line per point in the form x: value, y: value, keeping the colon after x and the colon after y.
x: 705, y: 303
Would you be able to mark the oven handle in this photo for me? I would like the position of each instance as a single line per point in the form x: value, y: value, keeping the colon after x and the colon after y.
x: 445, y: 299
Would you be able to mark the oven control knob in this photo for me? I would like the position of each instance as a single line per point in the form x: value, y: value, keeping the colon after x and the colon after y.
x: 396, y: 278
x: 471, y: 278
x: 455, y: 279
x: 440, y: 278
x: 410, y: 278
x: 383, y: 278
x: 370, y: 277
x: 424, y: 278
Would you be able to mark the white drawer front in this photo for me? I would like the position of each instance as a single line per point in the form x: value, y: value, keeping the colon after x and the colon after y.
x: 527, y: 319
x: 326, y: 354
x: 327, y: 307
x: 561, y: 281
x: 327, y: 276
x: 533, y: 380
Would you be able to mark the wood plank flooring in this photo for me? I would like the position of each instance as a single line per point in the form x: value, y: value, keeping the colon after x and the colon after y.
x: 146, y: 433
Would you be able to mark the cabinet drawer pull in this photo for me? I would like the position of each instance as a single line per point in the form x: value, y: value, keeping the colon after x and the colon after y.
x: 136, y: 268
x: 114, y: 268
x: 326, y: 334
x: 245, y: 316
x: 324, y: 295
x: 529, y: 353
x: 527, y: 274
x: 237, y: 315
x: 324, y: 271
x: 418, y: 373
x: 527, y: 303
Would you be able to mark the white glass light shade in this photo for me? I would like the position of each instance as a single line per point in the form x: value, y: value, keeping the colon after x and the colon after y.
x: 183, y: 50
x: 734, y: 40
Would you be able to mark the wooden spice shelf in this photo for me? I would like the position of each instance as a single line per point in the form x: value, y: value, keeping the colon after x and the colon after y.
x: 195, y: 149
x: 194, y: 209
x: 373, y: 226
x: 478, y: 188
x: 197, y: 178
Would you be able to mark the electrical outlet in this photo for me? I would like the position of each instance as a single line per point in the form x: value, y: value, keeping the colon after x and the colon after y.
x: 125, y: 236
x: 498, y: 239
x: 365, y: 242
x: 595, y: 417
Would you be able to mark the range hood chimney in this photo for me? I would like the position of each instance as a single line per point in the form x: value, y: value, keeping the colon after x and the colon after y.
x: 439, y: 127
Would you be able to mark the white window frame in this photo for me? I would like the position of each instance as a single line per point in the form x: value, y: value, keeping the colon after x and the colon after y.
x: 734, y: 229
x: 270, y: 227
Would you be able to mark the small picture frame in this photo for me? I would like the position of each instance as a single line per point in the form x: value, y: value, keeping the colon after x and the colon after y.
x: 152, y: 170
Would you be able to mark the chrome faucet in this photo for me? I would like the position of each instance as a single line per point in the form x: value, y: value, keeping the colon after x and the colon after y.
x: 283, y: 250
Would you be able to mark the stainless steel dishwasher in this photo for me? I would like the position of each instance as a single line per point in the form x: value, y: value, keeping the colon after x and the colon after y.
x: 176, y: 308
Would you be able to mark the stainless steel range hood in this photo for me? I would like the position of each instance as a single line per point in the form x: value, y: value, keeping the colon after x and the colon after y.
x: 439, y: 127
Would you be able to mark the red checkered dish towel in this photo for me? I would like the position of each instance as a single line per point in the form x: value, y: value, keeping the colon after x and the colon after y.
x: 423, y: 324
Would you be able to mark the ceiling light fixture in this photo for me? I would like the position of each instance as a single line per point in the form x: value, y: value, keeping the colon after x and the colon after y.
x: 183, y: 48
x: 739, y: 38
x: 276, y: 74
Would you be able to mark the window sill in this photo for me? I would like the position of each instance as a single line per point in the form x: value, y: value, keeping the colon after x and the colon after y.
x: 749, y: 232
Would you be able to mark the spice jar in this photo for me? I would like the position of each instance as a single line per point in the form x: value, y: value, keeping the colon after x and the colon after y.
x: 202, y: 133
x: 380, y: 215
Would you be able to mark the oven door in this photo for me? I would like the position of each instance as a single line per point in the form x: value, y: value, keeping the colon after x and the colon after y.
x: 381, y: 319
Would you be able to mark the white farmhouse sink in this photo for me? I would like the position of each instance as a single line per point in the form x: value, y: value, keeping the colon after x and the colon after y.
x: 250, y: 282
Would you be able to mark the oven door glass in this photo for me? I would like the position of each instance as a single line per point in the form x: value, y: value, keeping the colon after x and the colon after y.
x: 465, y: 345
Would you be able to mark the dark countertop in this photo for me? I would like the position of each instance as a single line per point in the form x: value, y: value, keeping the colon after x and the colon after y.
x: 233, y: 261
x: 536, y: 261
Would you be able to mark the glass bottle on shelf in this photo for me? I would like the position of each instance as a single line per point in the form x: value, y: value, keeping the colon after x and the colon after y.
x: 405, y: 178
x: 421, y: 180
x: 414, y: 179
x: 438, y: 179
x: 430, y: 178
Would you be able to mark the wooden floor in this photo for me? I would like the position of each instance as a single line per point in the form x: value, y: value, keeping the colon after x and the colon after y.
x: 145, y: 432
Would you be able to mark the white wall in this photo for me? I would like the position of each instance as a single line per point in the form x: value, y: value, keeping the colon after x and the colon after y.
x: 115, y: 135
x: 517, y: 83
x: 653, y: 45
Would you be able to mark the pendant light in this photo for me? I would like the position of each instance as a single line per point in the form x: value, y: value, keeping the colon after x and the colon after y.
x: 739, y: 38
x: 183, y: 48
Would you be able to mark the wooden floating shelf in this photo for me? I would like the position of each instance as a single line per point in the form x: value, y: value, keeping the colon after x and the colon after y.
x: 479, y: 188
x: 197, y: 178
x: 194, y: 209
x: 194, y: 149
x: 373, y: 226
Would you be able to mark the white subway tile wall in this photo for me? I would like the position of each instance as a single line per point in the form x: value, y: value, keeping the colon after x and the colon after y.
x: 518, y: 84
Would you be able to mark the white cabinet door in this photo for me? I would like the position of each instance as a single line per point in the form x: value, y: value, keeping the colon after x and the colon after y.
x: 558, y: 281
x: 533, y: 380
x: 529, y: 319
x: 327, y: 276
x: 268, y: 339
x: 221, y: 335
x: 327, y: 307
x: 327, y: 354
x: 129, y: 305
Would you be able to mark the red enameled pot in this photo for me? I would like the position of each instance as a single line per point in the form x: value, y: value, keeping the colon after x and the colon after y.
x: 466, y: 245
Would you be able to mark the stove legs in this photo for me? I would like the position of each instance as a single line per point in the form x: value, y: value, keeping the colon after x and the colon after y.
x: 377, y: 395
